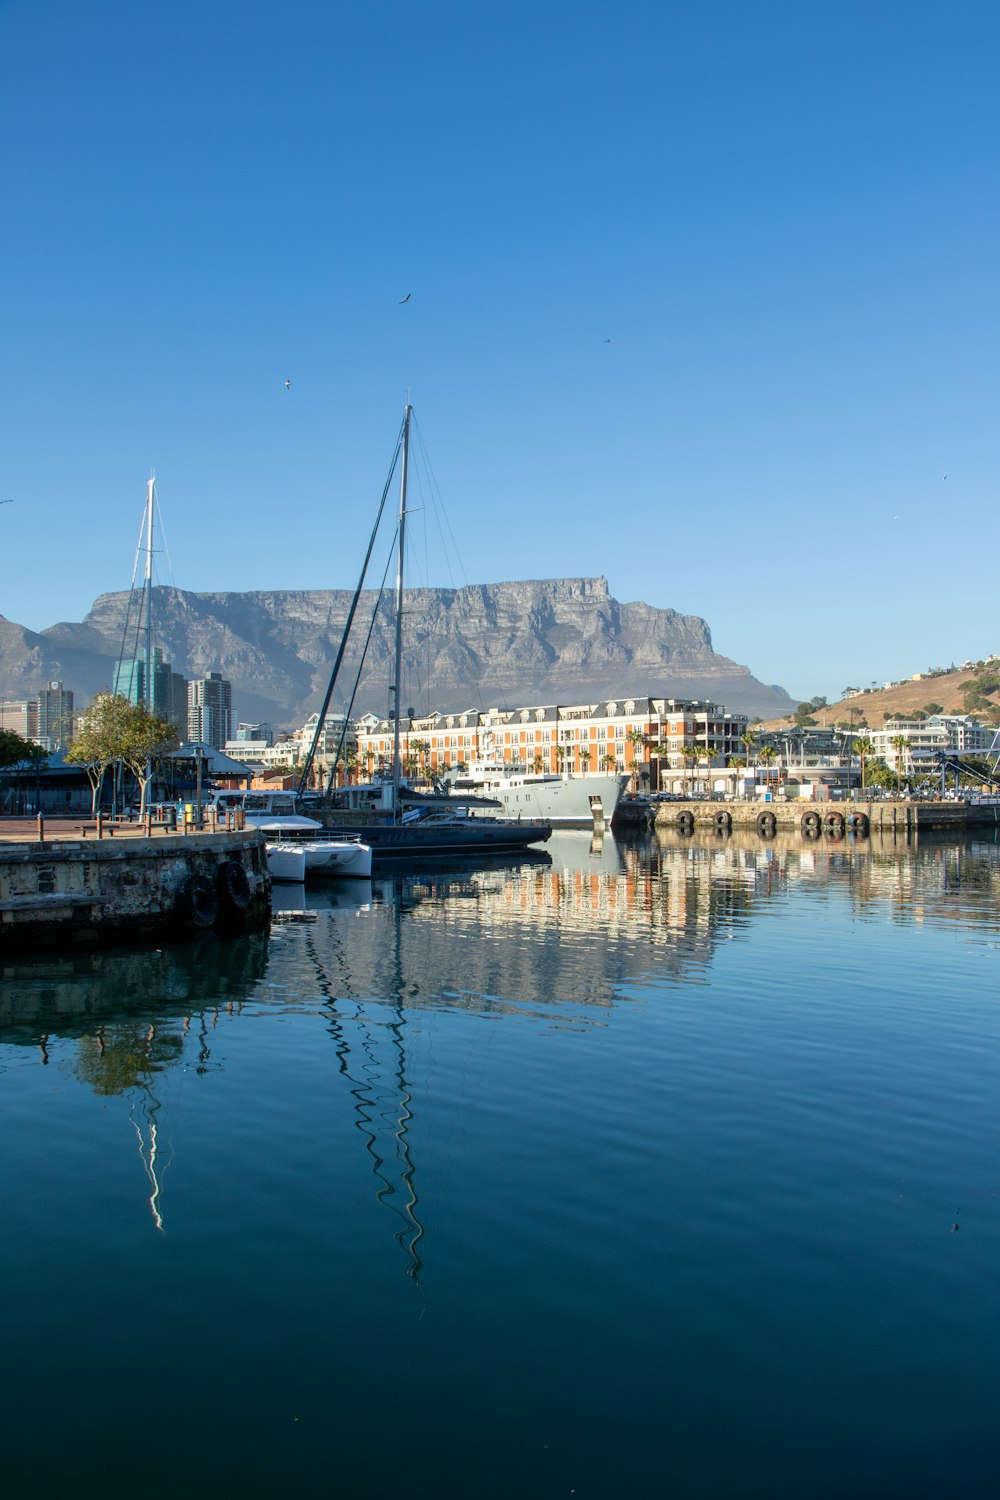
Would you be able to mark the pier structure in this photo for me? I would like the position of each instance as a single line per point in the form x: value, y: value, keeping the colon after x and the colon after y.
x: 71, y: 888
x: 836, y: 819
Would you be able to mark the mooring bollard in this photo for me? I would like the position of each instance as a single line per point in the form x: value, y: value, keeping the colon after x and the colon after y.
x: 41, y: 829
x: 100, y: 825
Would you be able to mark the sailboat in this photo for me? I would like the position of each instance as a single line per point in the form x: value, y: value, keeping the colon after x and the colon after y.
x: 378, y: 814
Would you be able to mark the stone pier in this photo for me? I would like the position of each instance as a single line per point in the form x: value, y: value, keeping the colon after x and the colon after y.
x: 73, y: 889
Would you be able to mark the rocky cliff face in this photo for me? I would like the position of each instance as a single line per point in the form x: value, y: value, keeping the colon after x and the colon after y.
x: 563, y: 640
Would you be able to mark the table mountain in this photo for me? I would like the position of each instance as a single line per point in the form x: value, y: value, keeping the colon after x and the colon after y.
x: 563, y: 640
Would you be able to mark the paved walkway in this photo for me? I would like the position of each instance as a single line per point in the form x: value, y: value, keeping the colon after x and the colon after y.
x: 25, y: 830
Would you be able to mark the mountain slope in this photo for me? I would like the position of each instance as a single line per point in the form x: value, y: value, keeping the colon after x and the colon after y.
x: 503, y: 644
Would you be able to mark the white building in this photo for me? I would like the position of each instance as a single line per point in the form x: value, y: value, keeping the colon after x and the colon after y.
x: 940, y: 733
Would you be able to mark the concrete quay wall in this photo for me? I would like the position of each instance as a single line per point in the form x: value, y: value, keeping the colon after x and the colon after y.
x: 858, y: 816
x: 70, y: 892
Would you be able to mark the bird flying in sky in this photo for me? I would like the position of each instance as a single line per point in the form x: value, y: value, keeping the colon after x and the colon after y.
x: 288, y: 385
x: 405, y: 299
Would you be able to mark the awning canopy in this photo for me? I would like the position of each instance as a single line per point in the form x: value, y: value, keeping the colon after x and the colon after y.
x: 214, y: 762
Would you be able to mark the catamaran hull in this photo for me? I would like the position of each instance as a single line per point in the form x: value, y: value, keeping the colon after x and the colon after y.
x: 341, y: 859
x: 286, y: 862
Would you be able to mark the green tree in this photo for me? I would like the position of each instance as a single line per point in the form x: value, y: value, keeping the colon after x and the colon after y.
x: 864, y: 749
x: 692, y: 754
x: 768, y: 755
x: 147, y: 737
x: 749, y: 742
x: 585, y: 753
x: 98, y: 740
x: 901, y: 745
x: 113, y: 731
x: 635, y: 738
x: 879, y: 774
x: 421, y: 748
x: 14, y: 750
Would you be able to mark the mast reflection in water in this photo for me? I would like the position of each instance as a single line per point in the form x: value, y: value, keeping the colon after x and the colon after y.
x: 675, y: 1147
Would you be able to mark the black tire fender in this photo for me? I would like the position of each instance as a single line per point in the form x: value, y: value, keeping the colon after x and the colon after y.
x: 198, y: 903
x: 233, y: 885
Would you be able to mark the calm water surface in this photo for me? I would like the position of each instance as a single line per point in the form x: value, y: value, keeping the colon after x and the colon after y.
x: 643, y: 1169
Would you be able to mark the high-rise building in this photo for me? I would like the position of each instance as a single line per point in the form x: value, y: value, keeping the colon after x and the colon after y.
x: 170, y: 700
x: 210, y: 710
x: 54, y: 724
x: 14, y: 715
x: 258, y: 733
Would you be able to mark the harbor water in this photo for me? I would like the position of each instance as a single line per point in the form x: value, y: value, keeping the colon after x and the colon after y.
x: 667, y: 1167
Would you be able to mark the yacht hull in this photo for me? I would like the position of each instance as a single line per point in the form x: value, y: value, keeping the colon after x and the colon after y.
x: 564, y: 801
x: 463, y: 836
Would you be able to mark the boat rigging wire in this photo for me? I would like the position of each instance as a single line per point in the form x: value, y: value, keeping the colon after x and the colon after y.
x: 454, y: 562
x: 357, y: 680
x: 307, y: 767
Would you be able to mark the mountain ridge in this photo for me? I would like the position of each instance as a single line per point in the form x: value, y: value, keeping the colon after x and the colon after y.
x: 514, y: 643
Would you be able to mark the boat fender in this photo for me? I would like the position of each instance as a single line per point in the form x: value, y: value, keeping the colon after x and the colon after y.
x: 858, y: 823
x: 685, y: 822
x: 723, y: 822
x: 767, y: 824
x: 810, y: 823
x: 198, y: 903
x: 833, y: 824
x: 233, y: 885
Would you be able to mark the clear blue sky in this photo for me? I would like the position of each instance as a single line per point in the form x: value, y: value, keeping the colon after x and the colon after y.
x: 783, y: 216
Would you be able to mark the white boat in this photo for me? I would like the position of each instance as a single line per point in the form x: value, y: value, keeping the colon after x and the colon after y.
x: 275, y: 813
x: 347, y: 859
x: 286, y: 862
x: 560, y: 797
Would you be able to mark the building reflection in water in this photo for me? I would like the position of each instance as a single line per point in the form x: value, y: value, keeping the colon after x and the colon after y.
x: 559, y: 939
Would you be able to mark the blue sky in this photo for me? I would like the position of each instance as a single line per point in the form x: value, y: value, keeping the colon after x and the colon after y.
x: 783, y: 217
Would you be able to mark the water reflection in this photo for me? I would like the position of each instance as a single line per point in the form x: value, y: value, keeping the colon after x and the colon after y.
x: 560, y: 940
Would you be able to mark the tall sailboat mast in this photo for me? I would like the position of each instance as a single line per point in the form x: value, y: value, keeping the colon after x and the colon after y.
x: 148, y: 673
x: 398, y: 665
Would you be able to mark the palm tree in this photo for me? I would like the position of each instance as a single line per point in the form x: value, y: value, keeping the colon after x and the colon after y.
x: 537, y: 764
x: 768, y: 755
x: 421, y: 747
x: 901, y: 745
x: 585, y: 757
x: 748, y: 741
x: 635, y: 738
x: 607, y: 763
x: 864, y: 748
x: 692, y: 754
